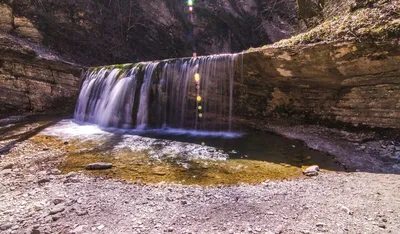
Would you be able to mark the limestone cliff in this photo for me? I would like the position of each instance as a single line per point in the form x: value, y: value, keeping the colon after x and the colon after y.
x: 346, y: 82
x: 34, y: 80
x: 93, y: 32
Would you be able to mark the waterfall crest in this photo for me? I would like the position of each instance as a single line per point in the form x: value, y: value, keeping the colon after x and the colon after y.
x: 161, y: 94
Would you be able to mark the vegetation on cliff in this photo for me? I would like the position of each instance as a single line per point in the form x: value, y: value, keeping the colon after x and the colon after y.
x: 348, y: 20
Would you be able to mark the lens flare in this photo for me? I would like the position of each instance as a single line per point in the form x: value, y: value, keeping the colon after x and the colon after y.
x: 190, y: 2
x: 190, y: 8
x: 200, y: 107
x: 199, y: 98
x: 200, y: 115
x: 197, y: 77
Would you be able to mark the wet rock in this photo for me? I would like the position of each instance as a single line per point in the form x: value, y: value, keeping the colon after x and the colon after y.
x: 396, y: 167
x: 99, y: 166
x: 159, y: 171
x: 311, y: 171
x: 57, y: 209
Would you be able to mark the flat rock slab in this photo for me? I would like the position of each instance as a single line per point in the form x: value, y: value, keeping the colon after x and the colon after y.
x: 99, y: 166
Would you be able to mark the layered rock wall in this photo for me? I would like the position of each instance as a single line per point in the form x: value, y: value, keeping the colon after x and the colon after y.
x: 349, y: 82
x: 33, y: 81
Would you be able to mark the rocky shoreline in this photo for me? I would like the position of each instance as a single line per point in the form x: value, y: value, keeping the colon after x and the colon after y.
x: 36, y: 198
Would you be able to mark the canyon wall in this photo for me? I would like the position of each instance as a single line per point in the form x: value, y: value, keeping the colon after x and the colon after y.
x: 99, y: 32
x: 346, y: 82
x: 32, y: 80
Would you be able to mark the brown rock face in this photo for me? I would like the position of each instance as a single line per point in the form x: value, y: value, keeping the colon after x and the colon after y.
x: 352, y: 82
x: 6, y: 18
x: 94, y: 32
x: 32, y: 82
x: 26, y: 29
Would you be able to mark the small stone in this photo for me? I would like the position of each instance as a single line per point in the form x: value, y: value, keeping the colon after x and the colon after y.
x: 347, y: 210
x: 71, y: 174
x: 79, y: 229
x: 8, y: 166
x: 56, y: 217
x: 55, y: 171
x: 57, y: 209
x: 6, y: 172
x: 35, y: 231
x: 98, y: 166
x: 57, y: 201
x: 5, y: 226
x: 44, y: 180
x: 81, y: 212
x: 311, y: 171
x: 320, y: 224
x: 382, y: 226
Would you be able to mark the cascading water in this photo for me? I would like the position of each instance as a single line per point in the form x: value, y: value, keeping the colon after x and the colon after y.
x: 161, y: 94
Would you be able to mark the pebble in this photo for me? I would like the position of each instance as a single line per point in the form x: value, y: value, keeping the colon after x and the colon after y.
x: 311, y: 171
x: 57, y: 209
x: 382, y: 226
x: 71, y: 174
x: 320, y: 224
x: 6, y: 172
x: 98, y: 166
x: 81, y: 212
x: 79, y: 229
x: 8, y: 166
x: 5, y: 226
x: 57, y: 201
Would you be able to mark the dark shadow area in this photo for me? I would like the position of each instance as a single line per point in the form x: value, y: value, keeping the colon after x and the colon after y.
x: 21, y: 129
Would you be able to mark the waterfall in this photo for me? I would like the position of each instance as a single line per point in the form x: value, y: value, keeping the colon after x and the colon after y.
x: 161, y: 94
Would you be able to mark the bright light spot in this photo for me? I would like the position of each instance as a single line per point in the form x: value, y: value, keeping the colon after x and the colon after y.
x: 190, y: 2
x: 198, y: 98
x: 203, y: 144
x: 197, y: 77
x: 200, y: 107
x: 190, y: 8
x: 200, y: 115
